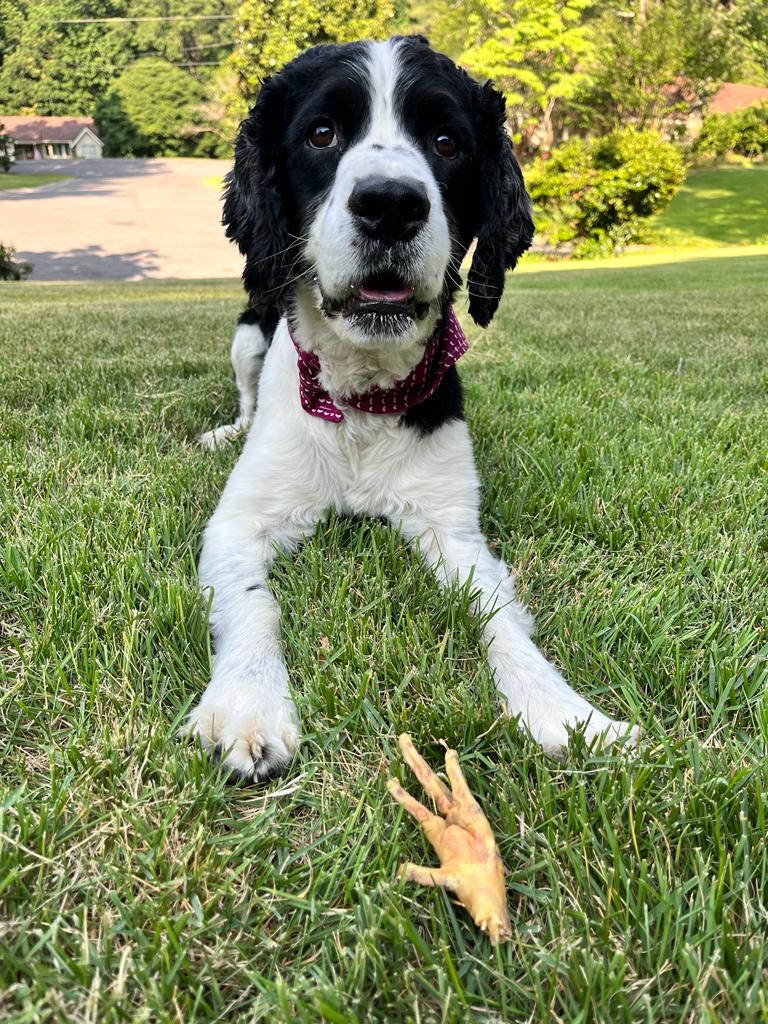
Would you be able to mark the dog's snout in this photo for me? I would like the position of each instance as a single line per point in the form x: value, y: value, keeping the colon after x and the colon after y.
x: 389, y: 210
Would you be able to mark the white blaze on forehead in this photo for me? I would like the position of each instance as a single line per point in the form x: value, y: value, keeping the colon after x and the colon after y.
x: 384, y: 72
x: 385, y: 151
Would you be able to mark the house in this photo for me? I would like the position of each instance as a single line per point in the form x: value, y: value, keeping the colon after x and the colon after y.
x: 687, y: 109
x: 733, y: 96
x: 52, y: 138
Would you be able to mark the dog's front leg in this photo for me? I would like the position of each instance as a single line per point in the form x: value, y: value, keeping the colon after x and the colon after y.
x: 246, y: 714
x: 249, y: 347
x: 530, y: 686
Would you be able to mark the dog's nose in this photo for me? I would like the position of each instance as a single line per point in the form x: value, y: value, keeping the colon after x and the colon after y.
x: 389, y: 209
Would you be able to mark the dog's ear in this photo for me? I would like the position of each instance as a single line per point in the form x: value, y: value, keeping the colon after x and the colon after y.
x: 253, y: 208
x: 506, y: 227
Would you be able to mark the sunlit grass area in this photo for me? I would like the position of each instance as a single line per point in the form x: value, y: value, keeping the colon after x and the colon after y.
x: 717, y: 206
x: 717, y: 209
x: 215, y: 181
x: 635, y: 257
x: 621, y: 433
x: 16, y: 179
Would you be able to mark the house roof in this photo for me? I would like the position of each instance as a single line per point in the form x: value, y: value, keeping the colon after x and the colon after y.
x: 29, y: 129
x: 735, y: 96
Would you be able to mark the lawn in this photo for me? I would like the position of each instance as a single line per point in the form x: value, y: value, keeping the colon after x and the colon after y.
x: 721, y: 205
x: 14, y: 180
x: 621, y: 429
x: 215, y: 181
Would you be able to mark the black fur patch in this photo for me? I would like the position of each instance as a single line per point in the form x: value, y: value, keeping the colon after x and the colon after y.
x: 266, y: 319
x: 483, y: 187
x: 278, y: 179
x: 447, y: 403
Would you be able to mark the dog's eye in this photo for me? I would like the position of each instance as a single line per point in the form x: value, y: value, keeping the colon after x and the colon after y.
x: 322, y: 135
x: 446, y: 145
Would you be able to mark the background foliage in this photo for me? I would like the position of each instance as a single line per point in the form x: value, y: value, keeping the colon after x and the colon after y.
x: 595, y: 192
x: 744, y: 132
x: 653, y: 61
x: 150, y: 111
x: 176, y: 77
x: 10, y: 268
x: 6, y: 144
x: 269, y: 33
x: 50, y: 65
x: 573, y: 66
x: 534, y: 50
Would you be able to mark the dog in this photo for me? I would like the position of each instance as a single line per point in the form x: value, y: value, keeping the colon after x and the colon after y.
x: 362, y: 176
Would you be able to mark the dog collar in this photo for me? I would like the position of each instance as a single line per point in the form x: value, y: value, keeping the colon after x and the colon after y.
x: 447, y: 344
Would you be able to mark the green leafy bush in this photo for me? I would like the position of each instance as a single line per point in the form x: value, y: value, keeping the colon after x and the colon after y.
x: 151, y: 110
x: 595, y: 193
x: 10, y: 270
x: 6, y: 150
x: 744, y: 132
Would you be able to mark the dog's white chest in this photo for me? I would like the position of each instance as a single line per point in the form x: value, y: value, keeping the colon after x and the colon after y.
x: 368, y: 454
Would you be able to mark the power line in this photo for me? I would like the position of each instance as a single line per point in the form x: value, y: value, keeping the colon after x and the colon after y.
x: 154, y: 17
x: 195, y: 46
x: 175, y: 64
x: 227, y: 45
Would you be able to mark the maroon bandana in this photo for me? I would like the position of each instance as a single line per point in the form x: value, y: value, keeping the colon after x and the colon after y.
x: 448, y: 344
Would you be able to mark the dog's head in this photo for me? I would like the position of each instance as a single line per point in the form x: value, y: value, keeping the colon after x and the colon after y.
x: 361, y: 177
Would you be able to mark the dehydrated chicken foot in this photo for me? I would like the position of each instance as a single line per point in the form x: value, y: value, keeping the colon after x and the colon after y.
x: 470, y: 864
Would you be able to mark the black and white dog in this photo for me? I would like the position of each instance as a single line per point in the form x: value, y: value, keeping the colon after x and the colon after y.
x: 361, y: 177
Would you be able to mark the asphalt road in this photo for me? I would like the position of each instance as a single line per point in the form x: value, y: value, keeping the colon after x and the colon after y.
x: 121, y: 220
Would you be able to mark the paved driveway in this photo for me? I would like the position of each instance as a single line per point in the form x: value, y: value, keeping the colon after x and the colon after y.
x: 121, y: 220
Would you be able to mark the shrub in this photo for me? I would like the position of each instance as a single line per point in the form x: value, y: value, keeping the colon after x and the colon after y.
x: 744, y: 132
x: 6, y: 150
x: 10, y: 270
x: 150, y: 110
x: 595, y: 193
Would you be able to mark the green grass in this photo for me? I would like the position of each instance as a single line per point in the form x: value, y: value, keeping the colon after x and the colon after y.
x: 621, y: 431
x: 722, y: 205
x: 14, y: 180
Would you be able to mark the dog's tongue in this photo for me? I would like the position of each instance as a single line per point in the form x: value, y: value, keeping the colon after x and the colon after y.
x: 371, y: 294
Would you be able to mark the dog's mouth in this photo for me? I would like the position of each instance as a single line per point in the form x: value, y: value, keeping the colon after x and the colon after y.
x: 382, y: 294
x: 379, y: 299
x: 381, y: 305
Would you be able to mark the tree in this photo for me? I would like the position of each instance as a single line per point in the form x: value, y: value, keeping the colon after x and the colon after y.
x: 269, y: 33
x: 50, y: 67
x: 151, y: 110
x: 533, y: 50
x: 222, y: 111
x: 750, y: 18
x: 197, y: 35
x: 10, y: 270
x: 653, y: 58
x: 54, y: 60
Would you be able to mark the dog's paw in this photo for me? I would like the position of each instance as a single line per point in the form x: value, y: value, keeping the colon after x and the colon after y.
x: 598, y: 731
x: 213, y: 439
x: 254, y: 747
x: 552, y: 713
